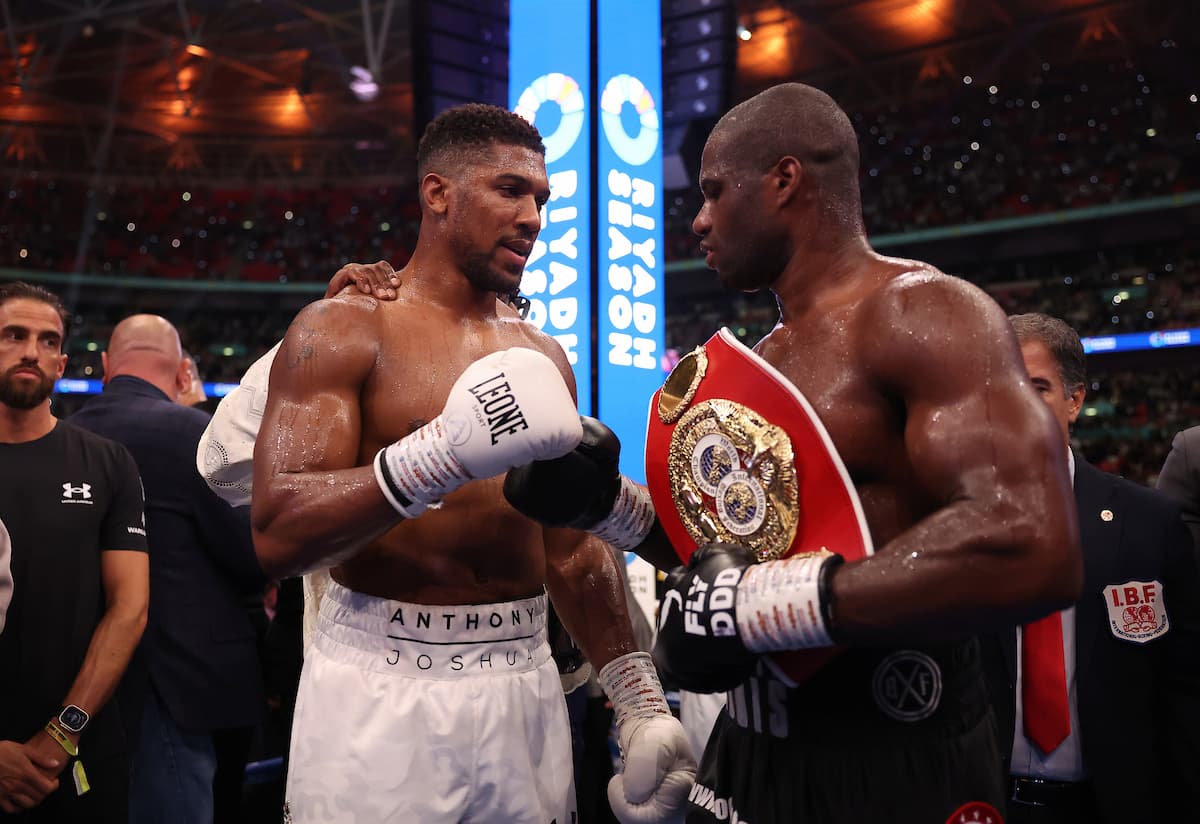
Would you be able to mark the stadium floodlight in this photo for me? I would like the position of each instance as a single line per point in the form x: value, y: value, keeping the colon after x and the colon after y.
x: 363, y: 84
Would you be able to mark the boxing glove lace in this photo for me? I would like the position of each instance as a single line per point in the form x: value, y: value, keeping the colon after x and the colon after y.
x: 723, y: 608
x: 506, y: 409
x: 659, y: 766
x: 584, y: 489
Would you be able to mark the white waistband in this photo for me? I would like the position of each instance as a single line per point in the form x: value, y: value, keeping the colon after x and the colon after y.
x: 427, y: 641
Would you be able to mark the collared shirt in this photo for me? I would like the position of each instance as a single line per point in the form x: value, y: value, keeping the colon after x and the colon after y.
x: 1065, y: 763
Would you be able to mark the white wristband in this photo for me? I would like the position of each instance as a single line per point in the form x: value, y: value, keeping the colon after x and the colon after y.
x: 779, y: 605
x: 420, y: 468
x: 631, y: 519
x: 631, y: 683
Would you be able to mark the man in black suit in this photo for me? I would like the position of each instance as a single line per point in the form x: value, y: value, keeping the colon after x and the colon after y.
x: 200, y: 665
x: 1179, y: 479
x: 1102, y: 701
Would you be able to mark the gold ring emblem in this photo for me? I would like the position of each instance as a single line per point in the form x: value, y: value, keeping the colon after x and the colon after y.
x: 733, y: 477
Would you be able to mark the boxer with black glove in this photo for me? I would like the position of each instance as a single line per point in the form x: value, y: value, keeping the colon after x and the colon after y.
x: 723, y: 608
x: 584, y: 490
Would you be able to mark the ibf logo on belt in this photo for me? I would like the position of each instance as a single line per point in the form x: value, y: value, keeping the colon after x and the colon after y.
x: 77, y: 494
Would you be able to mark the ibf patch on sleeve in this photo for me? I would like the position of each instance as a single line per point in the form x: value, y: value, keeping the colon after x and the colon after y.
x: 1136, y: 611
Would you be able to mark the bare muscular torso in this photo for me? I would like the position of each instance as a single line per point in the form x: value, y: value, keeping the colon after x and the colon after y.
x: 822, y: 354
x: 475, y: 548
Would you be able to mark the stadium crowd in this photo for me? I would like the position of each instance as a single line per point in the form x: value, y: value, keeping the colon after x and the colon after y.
x: 1053, y: 138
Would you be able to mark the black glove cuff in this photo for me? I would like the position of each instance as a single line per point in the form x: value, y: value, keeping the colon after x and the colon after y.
x: 825, y: 591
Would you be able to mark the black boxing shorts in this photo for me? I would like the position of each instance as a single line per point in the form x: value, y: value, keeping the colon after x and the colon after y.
x: 896, y: 735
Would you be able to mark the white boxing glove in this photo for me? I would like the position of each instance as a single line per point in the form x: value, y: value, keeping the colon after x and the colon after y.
x: 506, y: 409
x: 659, y: 767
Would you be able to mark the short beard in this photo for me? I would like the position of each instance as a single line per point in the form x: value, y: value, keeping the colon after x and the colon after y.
x: 480, y: 271
x: 24, y: 399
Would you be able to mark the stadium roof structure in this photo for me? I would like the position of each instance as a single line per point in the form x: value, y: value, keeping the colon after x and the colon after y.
x: 308, y: 91
x: 272, y: 89
x: 860, y: 50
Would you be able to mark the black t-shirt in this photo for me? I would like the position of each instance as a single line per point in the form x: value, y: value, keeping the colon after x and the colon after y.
x: 65, y: 498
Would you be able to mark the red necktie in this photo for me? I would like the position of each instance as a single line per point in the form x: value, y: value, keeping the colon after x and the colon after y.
x: 1044, y: 683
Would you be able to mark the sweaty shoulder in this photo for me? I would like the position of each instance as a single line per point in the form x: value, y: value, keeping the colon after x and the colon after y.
x: 926, y: 319
x: 338, y: 330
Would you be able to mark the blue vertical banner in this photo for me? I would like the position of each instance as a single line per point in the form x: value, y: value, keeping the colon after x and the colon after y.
x: 550, y: 86
x: 630, y: 217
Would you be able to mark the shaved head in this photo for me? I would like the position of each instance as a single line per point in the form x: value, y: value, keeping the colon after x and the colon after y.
x: 146, y: 347
x: 779, y: 175
x: 796, y: 120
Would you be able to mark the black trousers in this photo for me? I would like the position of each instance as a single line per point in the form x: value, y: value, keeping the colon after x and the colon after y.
x: 1032, y: 802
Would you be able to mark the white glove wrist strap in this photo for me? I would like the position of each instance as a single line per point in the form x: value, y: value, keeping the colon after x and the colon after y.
x: 631, y: 519
x: 400, y: 503
x: 419, y: 467
x: 779, y: 605
x: 632, y: 684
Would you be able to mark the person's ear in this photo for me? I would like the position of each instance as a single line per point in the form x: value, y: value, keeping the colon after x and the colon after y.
x: 786, y: 177
x: 1075, y: 403
x: 183, y: 377
x: 434, y: 193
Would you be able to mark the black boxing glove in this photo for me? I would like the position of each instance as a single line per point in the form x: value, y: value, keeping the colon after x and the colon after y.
x: 584, y: 489
x: 698, y: 646
x: 724, y: 609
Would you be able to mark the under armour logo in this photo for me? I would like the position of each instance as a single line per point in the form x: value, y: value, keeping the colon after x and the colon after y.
x: 84, y: 491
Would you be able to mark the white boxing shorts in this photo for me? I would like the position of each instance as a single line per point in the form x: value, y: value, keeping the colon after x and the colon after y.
x: 431, y: 714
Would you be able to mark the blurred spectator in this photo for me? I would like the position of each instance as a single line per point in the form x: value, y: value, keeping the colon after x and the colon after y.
x: 200, y: 679
x: 1180, y: 478
x: 1119, y: 671
x: 193, y: 394
x: 72, y: 504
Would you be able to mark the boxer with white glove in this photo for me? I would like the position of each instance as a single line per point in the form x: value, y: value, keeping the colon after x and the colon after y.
x: 723, y: 609
x: 659, y: 765
x: 506, y: 409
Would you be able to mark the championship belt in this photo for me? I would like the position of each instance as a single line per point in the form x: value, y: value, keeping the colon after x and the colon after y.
x: 734, y: 453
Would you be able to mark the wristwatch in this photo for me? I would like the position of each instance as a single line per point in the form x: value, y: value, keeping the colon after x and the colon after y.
x: 73, y: 719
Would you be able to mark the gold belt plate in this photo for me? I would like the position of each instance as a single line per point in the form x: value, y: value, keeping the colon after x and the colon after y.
x: 733, y: 478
